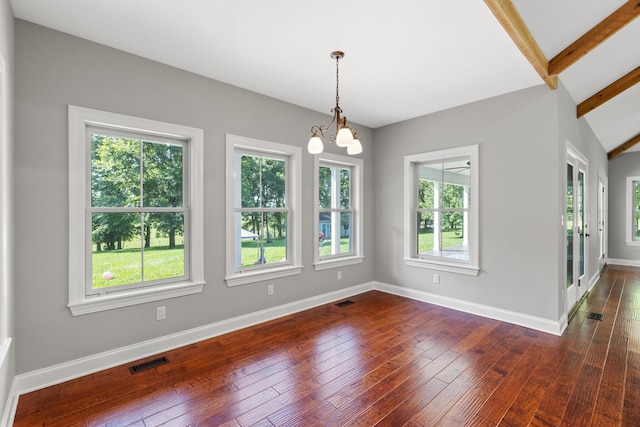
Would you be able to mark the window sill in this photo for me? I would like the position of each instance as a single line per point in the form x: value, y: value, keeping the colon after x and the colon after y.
x: 467, y: 270
x: 338, y: 262
x: 633, y: 242
x: 246, y: 277
x: 114, y: 300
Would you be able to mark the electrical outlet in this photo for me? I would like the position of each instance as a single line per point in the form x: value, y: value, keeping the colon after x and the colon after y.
x: 339, y: 275
x: 161, y: 313
x: 436, y: 278
x: 269, y: 289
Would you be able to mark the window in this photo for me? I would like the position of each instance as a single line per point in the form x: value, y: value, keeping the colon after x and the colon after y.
x: 135, y: 210
x: 441, y: 210
x: 263, y: 210
x: 633, y: 211
x: 338, y: 201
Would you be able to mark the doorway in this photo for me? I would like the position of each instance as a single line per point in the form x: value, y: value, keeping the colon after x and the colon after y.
x: 576, y: 228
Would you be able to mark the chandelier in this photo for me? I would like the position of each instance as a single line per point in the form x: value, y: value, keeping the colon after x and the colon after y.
x: 344, y: 135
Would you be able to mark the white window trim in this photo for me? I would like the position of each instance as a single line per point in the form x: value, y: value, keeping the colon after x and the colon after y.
x: 79, y: 119
x: 294, y: 182
x: 472, y: 268
x: 356, y: 166
x: 630, y: 211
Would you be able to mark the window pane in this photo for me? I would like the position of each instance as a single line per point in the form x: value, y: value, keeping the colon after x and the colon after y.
x: 115, y: 257
x: 263, y: 182
x: 264, y: 238
x: 162, y: 170
x: 346, y: 227
x: 425, y: 232
x: 345, y: 188
x: 324, y: 189
x: 453, y: 241
x: 335, y: 235
x: 426, y: 195
x: 249, y: 181
x: 569, y: 230
x: 273, y: 183
x: 164, y: 246
x: 115, y: 171
x: 451, y: 195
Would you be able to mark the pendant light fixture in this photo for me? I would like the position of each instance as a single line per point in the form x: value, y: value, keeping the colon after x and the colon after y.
x: 344, y: 136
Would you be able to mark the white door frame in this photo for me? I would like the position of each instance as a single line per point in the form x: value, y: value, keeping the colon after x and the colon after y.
x: 603, y: 218
x: 576, y: 290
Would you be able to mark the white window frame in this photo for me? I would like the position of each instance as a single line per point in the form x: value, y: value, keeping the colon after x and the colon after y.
x: 79, y: 199
x: 293, y: 155
x: 411, y: 258
x: 630, y: 216
x: 356, y: 180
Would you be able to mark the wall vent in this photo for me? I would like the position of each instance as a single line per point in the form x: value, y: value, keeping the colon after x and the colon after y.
x: 595, y: 316
x: 344, y: 303
x: 148, y: 365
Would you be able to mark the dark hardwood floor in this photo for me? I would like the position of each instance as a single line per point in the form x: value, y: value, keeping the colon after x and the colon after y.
x: 383, y: 360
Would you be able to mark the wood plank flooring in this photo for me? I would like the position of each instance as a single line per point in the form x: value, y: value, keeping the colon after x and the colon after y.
x: 384, y: 360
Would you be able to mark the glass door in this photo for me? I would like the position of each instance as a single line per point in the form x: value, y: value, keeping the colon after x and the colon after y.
x: 576, y: 229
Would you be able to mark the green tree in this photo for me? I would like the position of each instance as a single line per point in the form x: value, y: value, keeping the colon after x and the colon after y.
x: 115, y: 171
x: 162, y: 187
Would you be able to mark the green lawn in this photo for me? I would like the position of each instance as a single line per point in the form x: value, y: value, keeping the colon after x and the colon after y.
x: 274, y: 251
x: 125, y: 265
x: 449, y: 239
x: 160, y: 263
x: 325, y: 247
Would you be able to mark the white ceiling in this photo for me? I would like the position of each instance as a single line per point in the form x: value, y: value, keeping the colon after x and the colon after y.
x: 402, y: 59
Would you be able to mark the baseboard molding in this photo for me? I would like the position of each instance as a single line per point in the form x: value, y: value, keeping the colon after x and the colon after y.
x: 36, y: 380
x: 57, y: 374
x: 625, y: 262
x: 594, y: 279
x: 537, y: 323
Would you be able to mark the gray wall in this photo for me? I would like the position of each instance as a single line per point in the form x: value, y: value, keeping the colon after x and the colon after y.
x: 7, y: 366
x: 622, y: 166
x: 522, y: 138
x: 54, y: 70
x: 518, y: 196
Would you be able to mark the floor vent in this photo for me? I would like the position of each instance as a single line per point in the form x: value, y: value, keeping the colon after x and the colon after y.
x: 344, y: 303
x: 148, y: 365
x: 595, y: 316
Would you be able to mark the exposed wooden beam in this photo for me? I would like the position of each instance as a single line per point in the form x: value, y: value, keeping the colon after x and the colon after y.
x: 592, y: 38
x: 624, y: 147
x: 513, y: 24
x: 614, y: 89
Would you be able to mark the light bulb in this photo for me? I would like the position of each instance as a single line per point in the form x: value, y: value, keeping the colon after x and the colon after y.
x: 355, y: 147
x: 315, y: 145
x: 344, y: 138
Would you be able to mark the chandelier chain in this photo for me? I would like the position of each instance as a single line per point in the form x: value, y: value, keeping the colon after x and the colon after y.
x: 337, y: 83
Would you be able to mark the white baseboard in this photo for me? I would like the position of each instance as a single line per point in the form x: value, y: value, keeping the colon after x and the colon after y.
x: 537, y: 323
x: 594, y: 279
x: 57, y: 374
x: 35, y: 380
x: 625, y: 262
